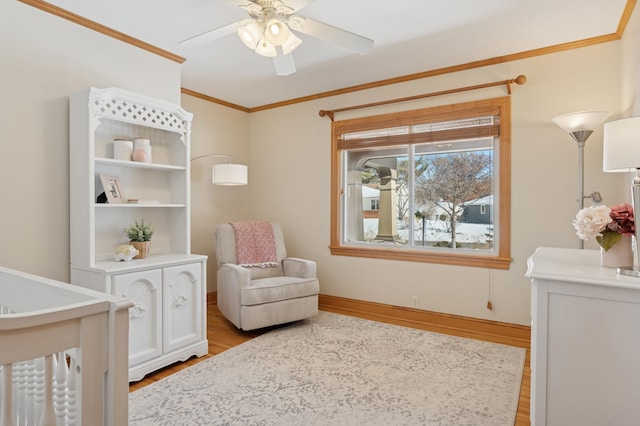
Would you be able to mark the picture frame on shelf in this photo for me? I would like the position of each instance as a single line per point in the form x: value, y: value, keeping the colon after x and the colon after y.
x: 111, y: 186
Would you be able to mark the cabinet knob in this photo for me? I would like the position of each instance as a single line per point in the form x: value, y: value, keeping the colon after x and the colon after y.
x: 138, y: 311
x: 181, y: 300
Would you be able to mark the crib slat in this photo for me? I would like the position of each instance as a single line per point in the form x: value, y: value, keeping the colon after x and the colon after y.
x: 32, y: 374
x: 19, y: 392
x: 39, y: 379
x: 71, y: 393
x: 48, y: 416
x: 6, y: 405
x: 60, y: 387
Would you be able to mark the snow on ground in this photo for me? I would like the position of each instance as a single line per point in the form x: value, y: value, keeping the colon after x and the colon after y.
x: 436, y: 230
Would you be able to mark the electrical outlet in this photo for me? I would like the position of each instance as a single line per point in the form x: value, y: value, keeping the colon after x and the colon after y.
x: 414, y: 301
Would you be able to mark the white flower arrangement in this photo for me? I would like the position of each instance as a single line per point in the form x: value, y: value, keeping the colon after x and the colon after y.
x: 591, y: 221
x: 606, y: 225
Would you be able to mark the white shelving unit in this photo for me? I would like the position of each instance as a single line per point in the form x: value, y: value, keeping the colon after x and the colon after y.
x: 168, y: 322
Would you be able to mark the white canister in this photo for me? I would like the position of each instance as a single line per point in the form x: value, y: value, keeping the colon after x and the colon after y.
x: 122, y: 149
x: 141, y: 150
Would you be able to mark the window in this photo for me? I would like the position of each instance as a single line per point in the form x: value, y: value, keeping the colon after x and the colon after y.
x: 440, y: 181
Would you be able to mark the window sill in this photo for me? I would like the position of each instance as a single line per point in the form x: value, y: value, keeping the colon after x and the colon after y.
x: 445, y: 258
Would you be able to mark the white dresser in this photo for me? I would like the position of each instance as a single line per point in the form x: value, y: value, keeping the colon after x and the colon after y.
x: 585, y: 340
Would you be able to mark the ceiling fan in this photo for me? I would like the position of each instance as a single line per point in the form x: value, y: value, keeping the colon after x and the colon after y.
x: 268, y: 32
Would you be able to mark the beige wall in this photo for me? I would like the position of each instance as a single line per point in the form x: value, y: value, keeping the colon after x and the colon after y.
x: 43, y: 59
x: 215, y: 130
x: 630, y: 75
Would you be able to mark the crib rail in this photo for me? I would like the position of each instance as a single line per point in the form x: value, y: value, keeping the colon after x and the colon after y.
x: 63, y: 354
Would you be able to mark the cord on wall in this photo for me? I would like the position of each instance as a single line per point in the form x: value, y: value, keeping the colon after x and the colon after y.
x: 489, y: 303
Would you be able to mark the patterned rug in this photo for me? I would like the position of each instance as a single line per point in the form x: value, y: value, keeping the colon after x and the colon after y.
x: 340, y: 370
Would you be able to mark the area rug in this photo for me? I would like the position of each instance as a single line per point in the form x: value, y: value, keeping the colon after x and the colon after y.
x: 340, y: 370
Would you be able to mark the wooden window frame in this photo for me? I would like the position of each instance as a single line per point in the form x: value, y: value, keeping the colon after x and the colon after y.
x: 501, y: 259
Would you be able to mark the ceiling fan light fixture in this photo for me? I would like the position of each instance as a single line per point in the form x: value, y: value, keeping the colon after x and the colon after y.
x: 250, y: 34
x: 291, y: 44
x: 269, y: 31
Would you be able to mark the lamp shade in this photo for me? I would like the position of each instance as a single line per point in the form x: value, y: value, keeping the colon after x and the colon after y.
x: 276, y: 32
x: 250, y: 34
x: 291, y: 44
x: 580, y: 121
x: 229, y: 174
x: 621, y: 148
x: 265, y: 48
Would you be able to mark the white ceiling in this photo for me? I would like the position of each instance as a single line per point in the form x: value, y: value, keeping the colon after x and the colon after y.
x: 410, y: 36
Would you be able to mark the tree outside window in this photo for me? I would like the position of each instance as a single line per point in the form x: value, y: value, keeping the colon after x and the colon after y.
x: 449, y: 181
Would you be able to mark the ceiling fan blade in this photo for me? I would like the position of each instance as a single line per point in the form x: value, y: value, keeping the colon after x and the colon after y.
x: 322, y: 31
x: 284, y: 64
x: 208, y: 36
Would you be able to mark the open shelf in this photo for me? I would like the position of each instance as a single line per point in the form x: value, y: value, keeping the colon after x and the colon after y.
x: 136, y: 164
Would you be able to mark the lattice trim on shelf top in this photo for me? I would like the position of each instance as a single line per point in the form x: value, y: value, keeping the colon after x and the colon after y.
x: 140, y: 114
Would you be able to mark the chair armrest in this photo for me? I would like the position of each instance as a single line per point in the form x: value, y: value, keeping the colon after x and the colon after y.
x: 301, y: 268
x: 234, y: 276
x: 231, y: 280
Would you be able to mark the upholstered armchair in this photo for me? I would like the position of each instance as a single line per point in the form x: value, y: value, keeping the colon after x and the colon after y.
x: 260, y: 295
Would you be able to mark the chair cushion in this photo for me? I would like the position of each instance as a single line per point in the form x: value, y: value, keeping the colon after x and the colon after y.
x: 275, y: 289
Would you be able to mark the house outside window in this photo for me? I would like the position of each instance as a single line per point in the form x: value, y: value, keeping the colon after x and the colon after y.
x: 436, y: 170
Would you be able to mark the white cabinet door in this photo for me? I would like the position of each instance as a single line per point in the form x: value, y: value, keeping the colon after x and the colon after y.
x: 182, y: 305
x: 145, y: 317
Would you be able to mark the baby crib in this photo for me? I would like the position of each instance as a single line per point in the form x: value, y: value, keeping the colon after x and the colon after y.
x: 63, y: 353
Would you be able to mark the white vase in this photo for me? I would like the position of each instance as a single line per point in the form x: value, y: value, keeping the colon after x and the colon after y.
x: 618, y: 256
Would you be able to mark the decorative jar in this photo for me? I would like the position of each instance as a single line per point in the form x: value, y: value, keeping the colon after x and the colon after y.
x: 141, y: 150
x: 122, y: 149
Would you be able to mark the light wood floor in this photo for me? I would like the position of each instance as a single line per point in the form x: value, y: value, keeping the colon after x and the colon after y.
x: 222, y: 335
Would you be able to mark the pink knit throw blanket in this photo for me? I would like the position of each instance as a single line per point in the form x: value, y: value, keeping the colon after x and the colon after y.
x: 255, y: 244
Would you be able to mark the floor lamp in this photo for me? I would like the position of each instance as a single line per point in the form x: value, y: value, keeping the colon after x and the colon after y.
x: 621, y: 153
x: 226, y: 173
x: 580, y: 125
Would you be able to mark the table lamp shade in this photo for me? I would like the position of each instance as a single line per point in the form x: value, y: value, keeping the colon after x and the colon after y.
x: 621, y: 147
